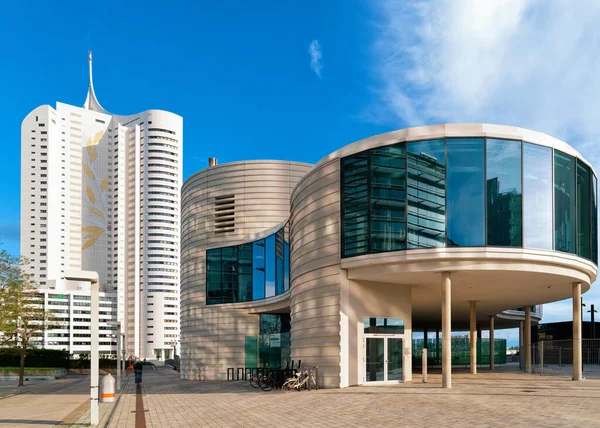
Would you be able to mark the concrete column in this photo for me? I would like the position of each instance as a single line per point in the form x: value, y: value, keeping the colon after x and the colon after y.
x: 473, y: 338
x: 437, y: 342
x: 119, y: 358
x: 162, y: 354
x: 446, y: 331
x: 95, y: 357
x: 577, y: 362
x: 521, y: 350
x: 527, y: 334
x: 492, y: 319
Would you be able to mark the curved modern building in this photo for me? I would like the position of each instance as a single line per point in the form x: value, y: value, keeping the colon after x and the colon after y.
x: 235, y: 265
x: 100, y: 192
x: 431, y: 228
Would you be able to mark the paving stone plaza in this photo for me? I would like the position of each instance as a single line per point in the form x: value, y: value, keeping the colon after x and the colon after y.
x: 500, y: 399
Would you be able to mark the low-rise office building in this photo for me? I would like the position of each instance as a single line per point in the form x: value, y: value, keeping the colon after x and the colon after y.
x: 430, y: 228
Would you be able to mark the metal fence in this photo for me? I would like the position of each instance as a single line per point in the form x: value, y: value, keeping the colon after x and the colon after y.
x: 555, y: 357
x: 461, y: 352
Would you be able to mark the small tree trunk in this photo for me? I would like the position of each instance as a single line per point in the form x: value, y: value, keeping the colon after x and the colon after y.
x: 22, y: 368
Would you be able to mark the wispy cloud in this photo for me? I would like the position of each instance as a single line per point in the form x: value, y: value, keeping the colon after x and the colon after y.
x: 316, y: 54
x: 529, y: 63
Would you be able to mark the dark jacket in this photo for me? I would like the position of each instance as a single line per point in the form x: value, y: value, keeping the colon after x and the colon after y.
x: 138, y: 366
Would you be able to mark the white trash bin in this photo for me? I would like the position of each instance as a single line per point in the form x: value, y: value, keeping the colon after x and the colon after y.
x: 108, y: 389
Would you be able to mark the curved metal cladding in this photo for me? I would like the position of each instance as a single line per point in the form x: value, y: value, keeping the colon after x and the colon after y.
x: 315, y: 271
x: 403, y: 218
x: 222, y: 206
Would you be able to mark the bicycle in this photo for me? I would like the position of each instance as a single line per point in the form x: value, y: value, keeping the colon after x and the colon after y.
x: 254, y: 380
x: 307, y: 381
x: 267, y: 382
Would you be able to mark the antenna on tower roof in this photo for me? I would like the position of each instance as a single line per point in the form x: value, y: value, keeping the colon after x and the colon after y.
x: 91, y: 102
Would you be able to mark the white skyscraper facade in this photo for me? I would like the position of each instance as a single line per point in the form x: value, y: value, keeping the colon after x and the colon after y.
x: 100, y: 192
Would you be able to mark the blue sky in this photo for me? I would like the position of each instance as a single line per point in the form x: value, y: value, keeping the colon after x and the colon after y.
x: 298, y: 79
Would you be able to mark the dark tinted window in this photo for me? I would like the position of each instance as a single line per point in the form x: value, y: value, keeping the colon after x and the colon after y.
x: 426, y: 186
x: 388, y: 198
x: 504, y: 195
x: 465, y: 194
x: 584, y: 210
x: 355, y: 208
x: 564, y: 202
x: 537, y: 196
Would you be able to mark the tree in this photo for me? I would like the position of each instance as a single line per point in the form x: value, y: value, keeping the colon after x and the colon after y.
x: 22, y: 315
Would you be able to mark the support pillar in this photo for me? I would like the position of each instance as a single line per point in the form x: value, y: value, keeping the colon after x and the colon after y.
x: 446, y: 331
x: 473, y: 338
x: 527, y: 334
x: 577, y: 362
x: 437, y: 344
x: 492, y: 319
x: 521, y: 349
x: 95, y: 356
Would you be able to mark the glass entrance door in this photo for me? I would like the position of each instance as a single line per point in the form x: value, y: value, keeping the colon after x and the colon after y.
x: 383, y: 359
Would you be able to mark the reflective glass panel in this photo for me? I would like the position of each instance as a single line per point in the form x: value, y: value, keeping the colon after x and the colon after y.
x: 375, y: 359
x: 388, y: 198
x: 250, y: 271
x: 270, y: 266
x: 229, y: 274
x: 286, y: 266
x: 245, y: 273
x: 504, y: 194
x: 258, y: 270
x: 465, y: 195
x: 279, y: 262
x: 584, y: 210
x: 537, y: 199
x: 594, y: 219
x: 384, y: 325
x: 355, y: 205
x: 394, y: 358
x: 213, y: 276
x: 426, y: 187
x: 564, y: 202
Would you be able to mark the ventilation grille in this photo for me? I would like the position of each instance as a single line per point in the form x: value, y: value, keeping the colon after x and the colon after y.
x: 225, y: 213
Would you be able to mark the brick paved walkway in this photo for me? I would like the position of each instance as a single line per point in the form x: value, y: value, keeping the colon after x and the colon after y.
x: 485, y: 399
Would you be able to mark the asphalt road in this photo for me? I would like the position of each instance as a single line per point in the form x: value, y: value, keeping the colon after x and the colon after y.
x: 47, y: 404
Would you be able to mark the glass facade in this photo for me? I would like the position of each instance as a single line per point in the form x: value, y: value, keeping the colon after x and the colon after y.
x: 272, y: 347
x: 426, y: 194
x: 467, y: 192
x: 564, y: 202
x: 465, y: 178
x: 584, y: 210
x: 250, y: 271
x: 504, y: 194
x: 537, y: 203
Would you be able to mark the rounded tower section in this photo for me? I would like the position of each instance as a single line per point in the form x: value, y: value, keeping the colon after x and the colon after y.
x: 234, y: 252
x: 161, y: 183
x: 498, y: 217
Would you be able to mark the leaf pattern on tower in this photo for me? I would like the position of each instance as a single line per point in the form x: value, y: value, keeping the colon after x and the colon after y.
x: 96, y: 195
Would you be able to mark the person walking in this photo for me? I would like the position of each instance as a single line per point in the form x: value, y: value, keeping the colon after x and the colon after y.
x: 138, y: 367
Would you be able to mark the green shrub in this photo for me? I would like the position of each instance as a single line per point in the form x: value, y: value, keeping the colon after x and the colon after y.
x: 10, y: 357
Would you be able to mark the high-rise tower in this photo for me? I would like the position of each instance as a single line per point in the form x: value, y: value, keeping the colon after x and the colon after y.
x: 101, y: 192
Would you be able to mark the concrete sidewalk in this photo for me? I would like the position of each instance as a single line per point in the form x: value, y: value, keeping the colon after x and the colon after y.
x: 46, y: 403
x: 485, y: 399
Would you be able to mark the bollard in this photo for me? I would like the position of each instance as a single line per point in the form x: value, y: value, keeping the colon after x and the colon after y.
x: 108, y: 389
x: 424, y: 369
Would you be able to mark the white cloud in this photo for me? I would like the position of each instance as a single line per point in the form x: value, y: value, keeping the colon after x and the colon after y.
x: 316, y: 54
x: 529, y: 63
